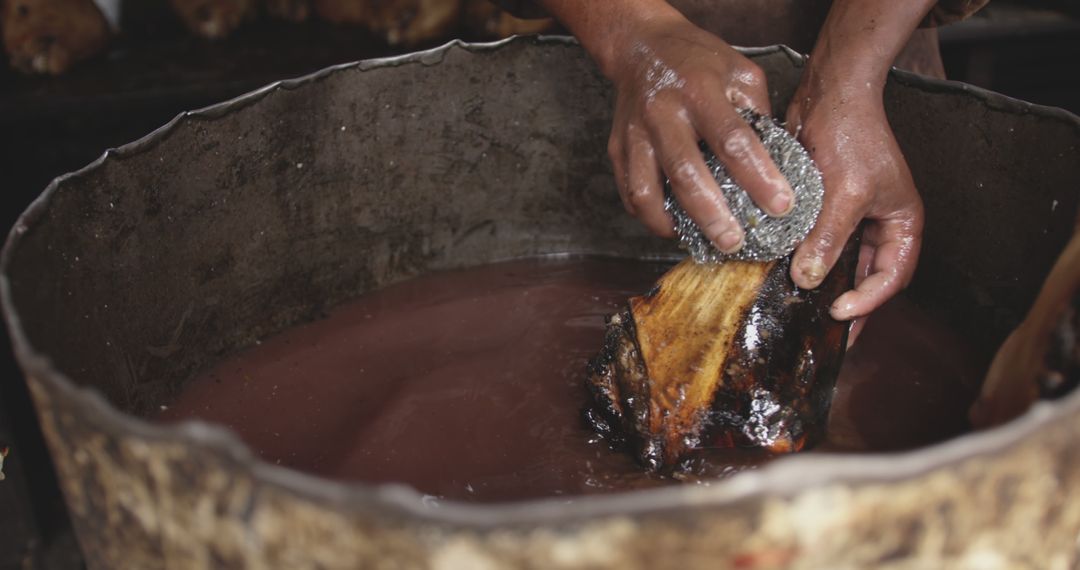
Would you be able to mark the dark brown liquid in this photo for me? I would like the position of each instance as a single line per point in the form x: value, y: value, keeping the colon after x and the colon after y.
x: 469, y: 385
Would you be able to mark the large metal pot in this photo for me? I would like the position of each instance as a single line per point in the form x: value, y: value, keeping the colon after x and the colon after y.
x: 236, y: 221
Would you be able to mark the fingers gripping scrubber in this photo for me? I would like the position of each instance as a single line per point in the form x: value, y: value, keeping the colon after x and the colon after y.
x: 767, y: 238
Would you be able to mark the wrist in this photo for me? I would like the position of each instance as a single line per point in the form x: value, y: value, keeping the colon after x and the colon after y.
x: 821, y: 100
x: 839, y: 81
x: 832, y: 68
x: 611, y: 33
x: 858, y: 44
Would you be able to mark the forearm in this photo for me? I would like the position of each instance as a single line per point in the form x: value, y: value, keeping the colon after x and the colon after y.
x: 607, y: 29
x: 860, y: 40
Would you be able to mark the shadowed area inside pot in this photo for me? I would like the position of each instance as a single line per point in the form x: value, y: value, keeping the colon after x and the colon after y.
x: 469, y: 385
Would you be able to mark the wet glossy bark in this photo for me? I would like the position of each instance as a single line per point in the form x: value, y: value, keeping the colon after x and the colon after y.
x: 720, y: 356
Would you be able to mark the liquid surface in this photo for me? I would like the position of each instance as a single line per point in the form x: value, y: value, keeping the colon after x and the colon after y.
x: 469, y: 385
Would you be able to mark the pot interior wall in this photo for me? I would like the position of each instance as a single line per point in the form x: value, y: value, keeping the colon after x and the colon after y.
x: 247, y: 218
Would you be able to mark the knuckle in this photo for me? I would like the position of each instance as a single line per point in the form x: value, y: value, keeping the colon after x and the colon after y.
x: 638, y: 197
x: 700, y: 86
x: 698, y: 96
x: 850, y: 196
x: 826, y: 241
x: 890, y: 170
x: 753, y: 76
x: 737, y: 144
x: 752, y: 82
x: 694, y: 78
x: 656, y: 112
x: 748, y: 76
x: 681, y: 171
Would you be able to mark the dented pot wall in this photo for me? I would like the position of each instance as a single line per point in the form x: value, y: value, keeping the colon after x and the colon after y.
x: 234, y: 222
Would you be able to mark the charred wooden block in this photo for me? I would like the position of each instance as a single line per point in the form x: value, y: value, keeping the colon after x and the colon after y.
x: 412, y: 22
x: 720, y: 356
x: 291, y: 10
x: 399, y: 22
x: 483, y: 17
x: 49, y: 36
x: 214, y: 19
x: 343, y: 11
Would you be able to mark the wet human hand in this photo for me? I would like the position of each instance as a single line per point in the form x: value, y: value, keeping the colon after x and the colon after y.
x: 846, y: 131
x: 678, y: 85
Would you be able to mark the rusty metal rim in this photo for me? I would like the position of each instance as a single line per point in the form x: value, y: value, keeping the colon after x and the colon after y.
x: 785, y: 477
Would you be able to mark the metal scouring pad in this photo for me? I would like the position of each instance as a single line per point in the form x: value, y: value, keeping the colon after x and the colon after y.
x: 767, y: 238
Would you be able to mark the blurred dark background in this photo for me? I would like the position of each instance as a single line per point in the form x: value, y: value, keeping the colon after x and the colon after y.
x: 155, y: 69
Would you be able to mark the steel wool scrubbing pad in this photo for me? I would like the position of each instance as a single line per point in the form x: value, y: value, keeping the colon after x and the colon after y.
x: 767, y: 238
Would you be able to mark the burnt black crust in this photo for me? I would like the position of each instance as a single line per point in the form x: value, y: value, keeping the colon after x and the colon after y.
x: 797, y: 355
x: 619, y: 386
x: 795, y: 358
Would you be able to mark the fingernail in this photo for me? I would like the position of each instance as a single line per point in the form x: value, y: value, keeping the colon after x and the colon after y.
x: 730, y: 241
x: 813, y: 271
x: 781, y: 204
x: 842, y: 310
